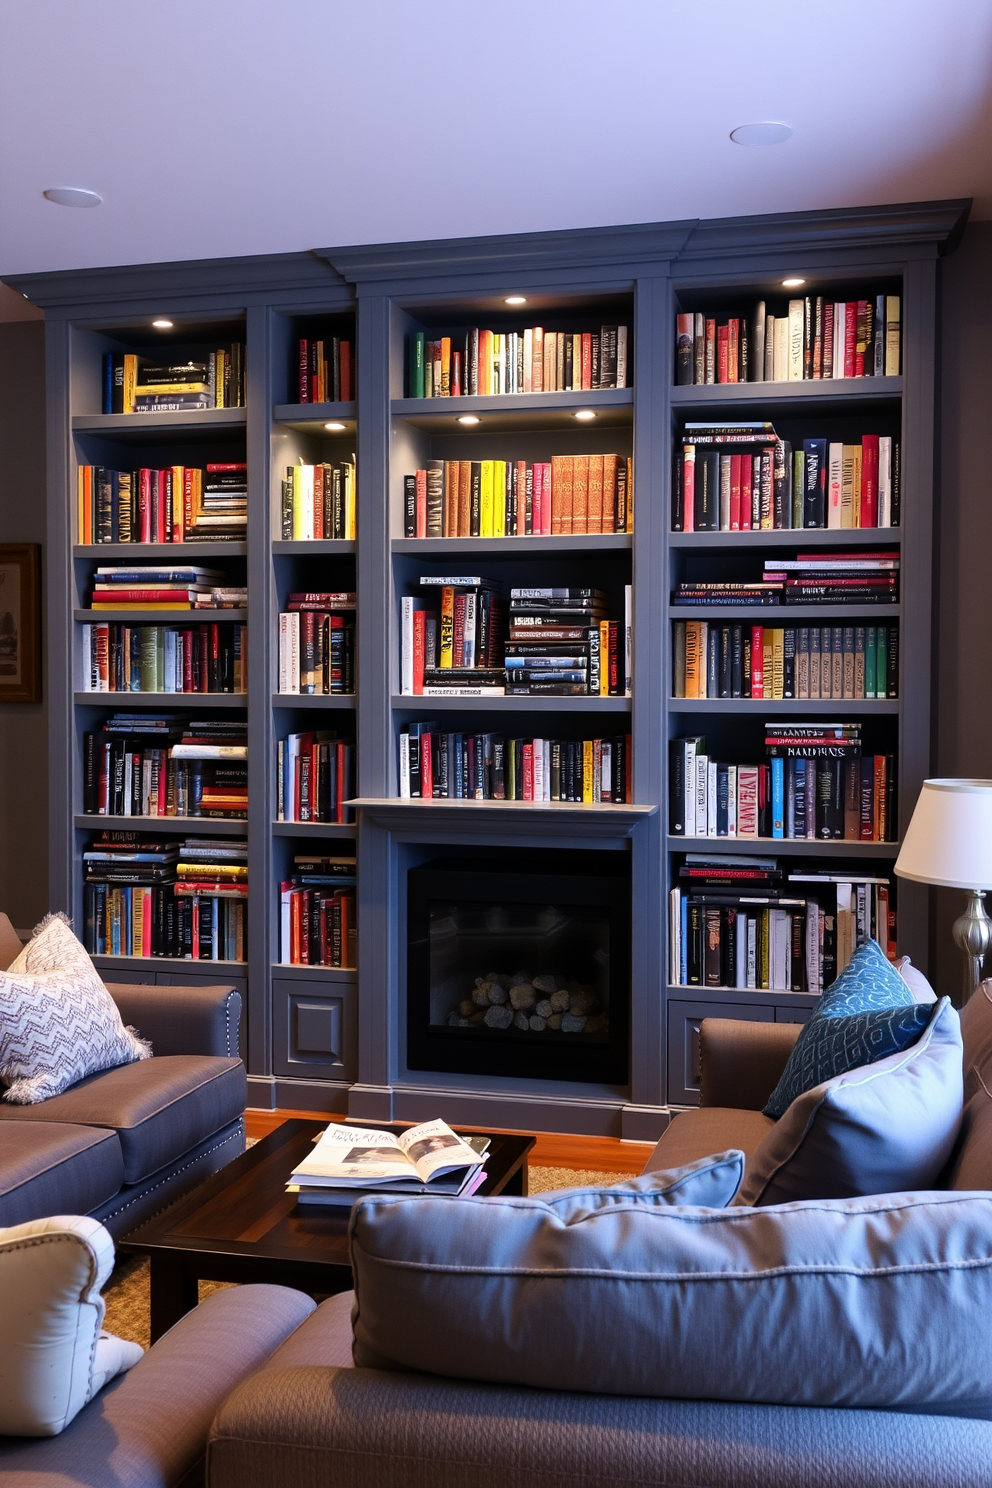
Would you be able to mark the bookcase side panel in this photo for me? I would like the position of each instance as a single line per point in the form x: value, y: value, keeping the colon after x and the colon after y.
x: 63, y: 774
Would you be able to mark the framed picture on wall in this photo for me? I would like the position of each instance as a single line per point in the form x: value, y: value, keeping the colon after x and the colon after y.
x: 20, y: 623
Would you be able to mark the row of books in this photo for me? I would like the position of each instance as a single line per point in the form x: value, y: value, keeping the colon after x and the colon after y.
x: 808, y: 579
x: 315, y: 776
x: 210, y: 657
x: 119, y: 587
x: 520, y: 498
x: 491, y: 767
x: 181, y: 503
x: 816, y: 785
x: 317, y: 642
x: 158, y: 765
x: 324, y: 370
x: 743, y: 478
x: 317, y: 913
x: 816, y: 338
x: 741, y: 923
x: 153, y: 898
x: 535, y: 360
x: 711, y: 660
x: 138, y: 384
x: 318, y: 501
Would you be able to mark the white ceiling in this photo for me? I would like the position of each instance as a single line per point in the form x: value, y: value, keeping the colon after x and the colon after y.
x: 229, y: 127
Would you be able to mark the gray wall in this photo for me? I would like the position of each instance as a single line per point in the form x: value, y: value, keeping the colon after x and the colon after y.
x: 23, y: 726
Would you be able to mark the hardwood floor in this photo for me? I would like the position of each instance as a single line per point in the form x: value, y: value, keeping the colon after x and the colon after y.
x: 553, y: 1150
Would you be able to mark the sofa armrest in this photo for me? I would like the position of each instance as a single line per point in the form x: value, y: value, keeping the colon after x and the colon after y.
x: 150, y: 1425
x: 182, y: 1020
x: 740, y: 1062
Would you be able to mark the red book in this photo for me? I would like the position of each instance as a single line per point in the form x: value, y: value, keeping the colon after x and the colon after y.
x: 537, y: 500
x: 710, y: 359
x: 733, y: 349
x: 187, y: 644
x: 869, y: 481
x: 344, y: 357
x: 613, y: 662
x: 860, y: 339
x: 747, y: 466
x: 689, y: 490
x: 342, y: 782
x: 850, y: 336
x: 220, y: 467
x: 528, y: 754
x: 426, y: 767
x: 456, y: 374
x: 757, y: 661
x: 304, y: 371
x: 458, y: 631
x: 419, y: 628
x: 828, y: 339
x: 144, y: 506
x: 735, y: 493
x: 421, y: 503
x: 126, y: 595
x: 586, y: 361
x: 195, y: 922
x: 722, y: 353
x: 204, y: 633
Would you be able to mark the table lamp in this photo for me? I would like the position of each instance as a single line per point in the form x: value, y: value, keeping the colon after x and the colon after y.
x: 949, y: 843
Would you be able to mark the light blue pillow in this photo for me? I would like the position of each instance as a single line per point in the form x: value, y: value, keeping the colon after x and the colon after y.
x: 867, y: 1014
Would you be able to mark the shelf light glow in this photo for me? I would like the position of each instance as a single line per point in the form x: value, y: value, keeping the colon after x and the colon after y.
x: 336, y: 428
x: 162, y: 325
x: 792, y: 283
x: 585, y: 414
x: 515, y: 300
x: 468, y: 418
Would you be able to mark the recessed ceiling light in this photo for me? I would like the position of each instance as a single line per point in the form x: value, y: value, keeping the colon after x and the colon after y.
x: 585, y: 414
x: 792, y: 283
x: 72, y: 196
x: 515, y: 300
x: 336, y: 428
x: 468, y: 418
x: 767, y: 132
x: 162, y: 325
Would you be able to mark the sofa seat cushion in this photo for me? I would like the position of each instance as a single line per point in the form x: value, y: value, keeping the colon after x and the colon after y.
x: 817, y: 1303
x: 50, y: 1168
x: 159, y: 1108
x: 692, y: 1135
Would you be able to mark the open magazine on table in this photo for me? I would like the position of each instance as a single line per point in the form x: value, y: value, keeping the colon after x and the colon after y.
x: 426, y: 1159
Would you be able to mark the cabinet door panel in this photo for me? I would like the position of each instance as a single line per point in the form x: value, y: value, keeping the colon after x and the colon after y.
x: 315, y: 1029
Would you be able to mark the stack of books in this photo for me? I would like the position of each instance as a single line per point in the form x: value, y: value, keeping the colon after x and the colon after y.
x: 119, y: 587
x: 489, y: 363
x: 315, y: 776
x: 742, y: 922
x: 815, y: 338
x: 211, y: 899
x: 816, y: 785
x: 318, y: 501
x: 491, y: 767
x: 128, y: 882
x: 353, y: 1162
x: 836, y: 578
x: 215, y: 753
x: 451, y: 639
x: 711, y: 660
x: 136, y: 384
x: 223, y: 597
x: 563, y: 643
x: 317, y: 913
x: 220, y: 504
x: 324, y: 370
x: 317, y: 642
x: 519, y: 498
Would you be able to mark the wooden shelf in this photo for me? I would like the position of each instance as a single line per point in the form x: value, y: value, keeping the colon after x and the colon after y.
x: 497, y: 704
x: 307, y: 418
x: 184, y: 826
x: 147, y: 554
x: 789, y: 847
x: 792, y: 537
x: 159, y: 617
x: 150, y: 428
x: 582, y: 545
x: 814, y: 706
x: 180, y: 701
x: 613, y: 407
x: 832, y: 395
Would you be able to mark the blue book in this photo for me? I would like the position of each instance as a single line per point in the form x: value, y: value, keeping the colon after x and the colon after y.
x: 814, y: 483
x: 778, y: 796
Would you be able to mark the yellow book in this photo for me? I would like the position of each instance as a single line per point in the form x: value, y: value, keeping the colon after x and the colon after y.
x: 220, y: 359
x: 142, y: 604
x: 703, y: 660
x: 499, y: 498
x: 137, y: 921
x: 349, y: 502
x: 766, y: 666
x: 130, y: 381
x: 587, y: 771
x: 692, y: 659
x: 766, y: 970
x: 80, y: 506
x: 848, y: 518
x: 778, y: 663
x: 630, y: 493
x: 178, y: 524
x: 856, y: 487
x: 446, y: 637
x: 486, y: 500
x: 171, y: 387
x: 604, y: 658
x: 445, y: 366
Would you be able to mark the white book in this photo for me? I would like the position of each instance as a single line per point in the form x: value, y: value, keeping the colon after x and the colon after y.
x: 724, y: 493
x: 758, y: 343
x: 468, y: 645
x: 752, y: 951
x: 605, y: 772
x: 840, y: 336
x: 711, y: 777
x: 621, y: 356
x: 528, y: 360
x: 674, y: 937
x: 701, y: 796
x: 169, y: 683
x: 150, y: 805
x: 781, y: 349
x: 404, y: 767
x: 835, y: 484
x: 885, y: 481
x: 689, y: 790
x: 281, y: 780
x: 796, y: 340
x: 86, y: 659
x: 740, y: 951
x: 128, y: 778
x: 769, y: 349
x: 294, y: 652
x: 407, y: 606
x: 292, y: 755
x: 781, y: 928
x: 812, y: 945
x: 284, y: 653
x: 499, y: 367
x: 302, y: 503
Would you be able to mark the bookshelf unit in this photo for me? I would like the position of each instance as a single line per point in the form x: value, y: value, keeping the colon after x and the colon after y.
x: 329, y: 1039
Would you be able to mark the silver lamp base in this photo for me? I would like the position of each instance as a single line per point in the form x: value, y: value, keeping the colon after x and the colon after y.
x: 973, y: 933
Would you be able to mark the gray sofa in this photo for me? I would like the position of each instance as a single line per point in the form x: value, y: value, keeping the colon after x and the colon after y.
x: 123, y: 1144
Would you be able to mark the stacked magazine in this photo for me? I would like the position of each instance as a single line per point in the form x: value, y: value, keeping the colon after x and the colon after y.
x: 348, y: 1162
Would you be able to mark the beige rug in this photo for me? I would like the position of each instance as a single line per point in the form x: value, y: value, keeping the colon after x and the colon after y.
x: 126, y: 1293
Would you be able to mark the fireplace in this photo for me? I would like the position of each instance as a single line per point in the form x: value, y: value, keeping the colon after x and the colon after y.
x: 519, y: 965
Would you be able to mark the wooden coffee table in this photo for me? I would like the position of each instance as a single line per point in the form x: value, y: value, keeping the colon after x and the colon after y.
x: 242, y: 1225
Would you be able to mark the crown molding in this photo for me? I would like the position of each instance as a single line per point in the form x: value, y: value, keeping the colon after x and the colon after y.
x: 915, y: 224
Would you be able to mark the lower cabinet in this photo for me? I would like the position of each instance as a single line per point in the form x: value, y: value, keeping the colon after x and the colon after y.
x: 684, y: 1018
x: 315, y: 1029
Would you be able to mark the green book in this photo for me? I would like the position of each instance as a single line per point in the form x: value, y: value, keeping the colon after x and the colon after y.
x: 798, y: 486
x: 415, y: 346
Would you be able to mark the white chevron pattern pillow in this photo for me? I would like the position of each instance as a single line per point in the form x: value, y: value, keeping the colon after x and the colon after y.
x: 58, y: 1022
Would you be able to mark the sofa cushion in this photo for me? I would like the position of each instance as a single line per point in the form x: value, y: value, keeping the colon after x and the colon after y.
x: 709, y: 1182
x: 866, y: 1014
x: 58, y: 1022
x: 694, y: 1134
x: 971, y: 1164
x: 889, y: 1126
x: 805, y: 1304
x: 48, y: 1167
x: 55, y: 1356
x: 915, y: 980
x: 159, y: 1108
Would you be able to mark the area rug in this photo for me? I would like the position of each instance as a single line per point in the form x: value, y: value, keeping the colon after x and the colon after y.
x: 126, y: 1293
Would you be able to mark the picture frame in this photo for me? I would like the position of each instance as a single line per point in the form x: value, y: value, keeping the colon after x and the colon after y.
x: 20, y: 623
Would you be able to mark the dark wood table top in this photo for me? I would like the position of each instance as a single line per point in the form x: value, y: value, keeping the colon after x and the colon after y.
x: 245, y: 1211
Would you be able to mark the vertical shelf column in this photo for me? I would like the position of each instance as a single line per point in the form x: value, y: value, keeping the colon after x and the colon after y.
x: 58, y: 623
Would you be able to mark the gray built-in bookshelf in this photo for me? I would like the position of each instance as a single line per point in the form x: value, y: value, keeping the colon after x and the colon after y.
x: 341, y: 1039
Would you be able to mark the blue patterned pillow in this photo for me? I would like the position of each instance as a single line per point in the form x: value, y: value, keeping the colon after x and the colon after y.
x: 865, y: 1015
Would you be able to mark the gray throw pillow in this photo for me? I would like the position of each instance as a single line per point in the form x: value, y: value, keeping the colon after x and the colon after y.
x: 710, y: 1182
x: 807, y: 1304
x: 881, y: 1129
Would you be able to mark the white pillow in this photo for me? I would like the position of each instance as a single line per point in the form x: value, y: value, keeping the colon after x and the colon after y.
x: 54, y: 1356
x: 58, y: 1022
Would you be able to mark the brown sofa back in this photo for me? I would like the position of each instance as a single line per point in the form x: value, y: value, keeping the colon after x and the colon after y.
x: 971, y: 1166
x: 10, y: 943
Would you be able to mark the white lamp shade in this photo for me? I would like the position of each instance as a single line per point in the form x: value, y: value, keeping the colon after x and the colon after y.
x: 949, y: 839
